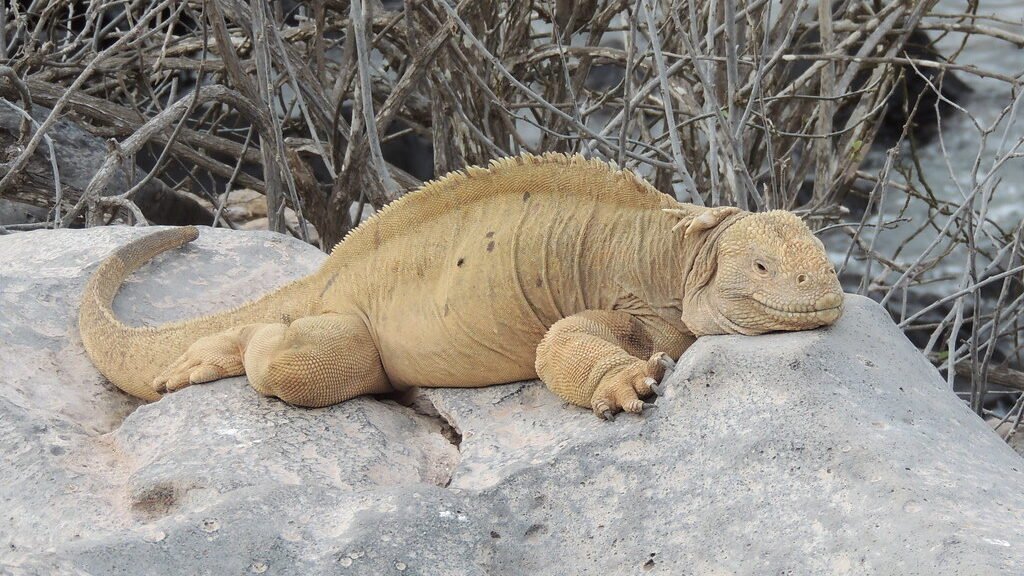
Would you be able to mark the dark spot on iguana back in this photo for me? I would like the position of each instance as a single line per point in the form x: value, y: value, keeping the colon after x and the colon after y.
x: 540, y: 282
x: 490, y: 234
x: 329, y: 284
x: 490, y: 246
x: 460, y: 262
x: 526, y: 197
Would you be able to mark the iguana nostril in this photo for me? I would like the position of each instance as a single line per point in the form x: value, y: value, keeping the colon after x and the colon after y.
x: 801, y: 279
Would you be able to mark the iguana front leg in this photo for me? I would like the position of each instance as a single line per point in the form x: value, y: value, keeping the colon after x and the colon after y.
x: 605, y: 360
x: 314, y: 361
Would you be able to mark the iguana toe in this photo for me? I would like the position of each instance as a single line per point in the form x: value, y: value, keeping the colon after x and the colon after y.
x: 177, y: 384
x: 192, y: 372
x: 634, y: 406
x: 172, y: 379
x: 175, y: 376
x: 603, y: 409
x: 638, y: 406
x: 207, y: 359
x: 205, y: 373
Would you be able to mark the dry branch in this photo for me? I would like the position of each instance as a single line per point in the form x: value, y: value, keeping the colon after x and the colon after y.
x: 749, y: 102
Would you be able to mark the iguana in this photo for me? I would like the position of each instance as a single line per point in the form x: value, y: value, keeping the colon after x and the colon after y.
x: 553, y: 266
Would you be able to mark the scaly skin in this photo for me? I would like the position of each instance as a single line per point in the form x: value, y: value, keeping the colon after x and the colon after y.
x: 549, y: 266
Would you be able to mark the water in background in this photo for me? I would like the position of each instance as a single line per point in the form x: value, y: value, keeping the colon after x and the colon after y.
x: 949, y: 173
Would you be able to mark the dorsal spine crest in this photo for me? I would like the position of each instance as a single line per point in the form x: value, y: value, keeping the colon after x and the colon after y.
x: 500, y: 167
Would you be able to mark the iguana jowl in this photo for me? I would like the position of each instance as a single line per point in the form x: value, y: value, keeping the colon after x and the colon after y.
x: 550, y: 266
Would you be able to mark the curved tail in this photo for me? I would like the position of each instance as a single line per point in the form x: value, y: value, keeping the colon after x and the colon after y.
x: 131, y: 357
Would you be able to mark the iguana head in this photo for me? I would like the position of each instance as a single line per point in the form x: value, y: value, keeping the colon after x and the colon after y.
x: 757, y: 273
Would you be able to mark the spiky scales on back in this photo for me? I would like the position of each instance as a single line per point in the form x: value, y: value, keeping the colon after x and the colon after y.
x: 558, y: 266
x: 512, y: 175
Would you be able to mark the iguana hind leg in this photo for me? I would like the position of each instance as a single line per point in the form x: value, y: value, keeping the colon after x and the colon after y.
x: 605, y: 360
x: 314, y: 361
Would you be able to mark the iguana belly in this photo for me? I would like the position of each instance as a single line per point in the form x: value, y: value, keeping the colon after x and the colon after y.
x: 458, y: 338
x: 459, y: 316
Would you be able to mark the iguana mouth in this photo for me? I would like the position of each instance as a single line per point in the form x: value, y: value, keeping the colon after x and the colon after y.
x: 825, y: 306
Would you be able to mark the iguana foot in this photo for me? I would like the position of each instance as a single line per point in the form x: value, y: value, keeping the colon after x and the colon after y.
x: 208, y: 359
x: 625, y: 389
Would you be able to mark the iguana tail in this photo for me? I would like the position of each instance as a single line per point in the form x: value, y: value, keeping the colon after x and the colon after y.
x: 131, y: 357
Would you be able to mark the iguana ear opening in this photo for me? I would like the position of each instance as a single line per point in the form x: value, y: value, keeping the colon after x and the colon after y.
x: 697, y: 222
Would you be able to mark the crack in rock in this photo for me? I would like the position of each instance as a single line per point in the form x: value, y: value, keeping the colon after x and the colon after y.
x: 424, y: 406
x: 449, y: 429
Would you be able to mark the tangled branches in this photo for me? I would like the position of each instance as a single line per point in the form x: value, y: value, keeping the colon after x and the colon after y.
x: 752, y: 103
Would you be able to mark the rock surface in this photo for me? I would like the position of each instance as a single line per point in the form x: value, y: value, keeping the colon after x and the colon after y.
x: 837, y: 451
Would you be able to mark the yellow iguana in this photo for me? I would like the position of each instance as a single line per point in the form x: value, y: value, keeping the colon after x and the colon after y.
x: 551, y: 266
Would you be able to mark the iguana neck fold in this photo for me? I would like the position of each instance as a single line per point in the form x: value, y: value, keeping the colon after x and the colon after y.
x: 655, y: 276
x: 675, y: 271
x: 700, y: 257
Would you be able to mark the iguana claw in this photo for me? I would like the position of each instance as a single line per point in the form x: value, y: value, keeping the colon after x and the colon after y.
x: 670, y: 365
x: 607, y: 415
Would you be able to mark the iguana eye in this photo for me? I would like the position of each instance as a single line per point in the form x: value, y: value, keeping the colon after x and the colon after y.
x: 760, y: 266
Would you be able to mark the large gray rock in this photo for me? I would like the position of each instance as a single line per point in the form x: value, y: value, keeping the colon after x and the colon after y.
x: 837, y: 451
